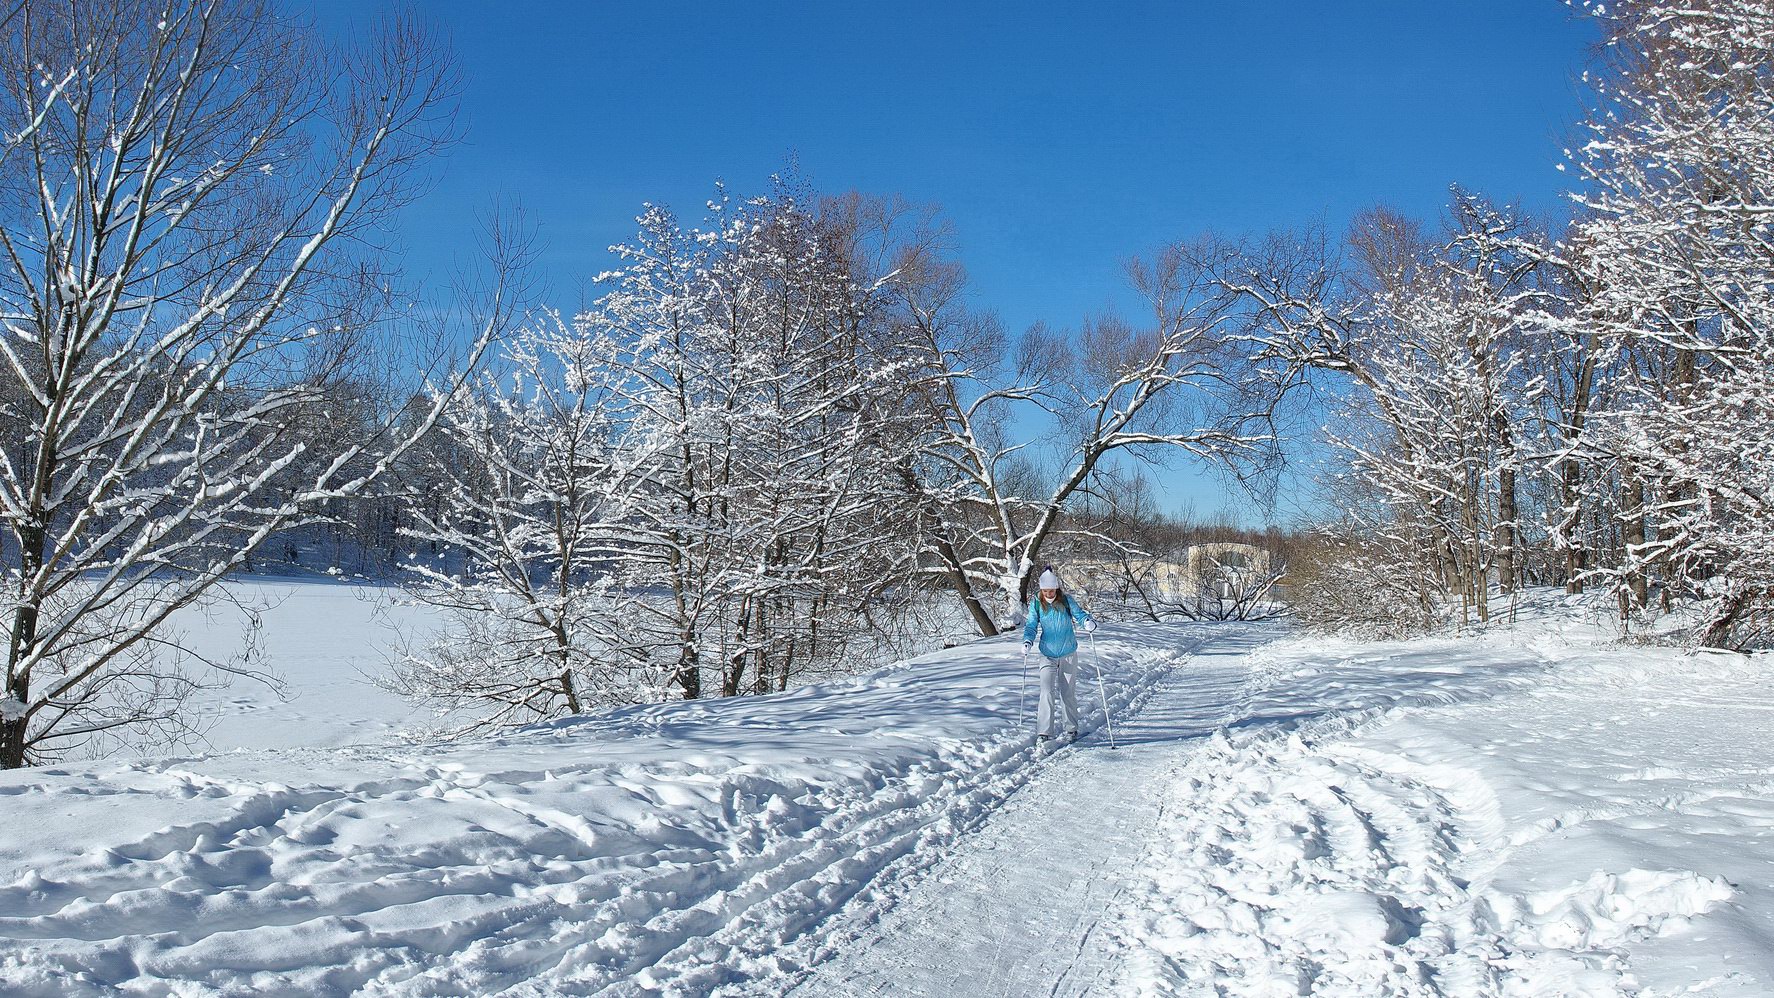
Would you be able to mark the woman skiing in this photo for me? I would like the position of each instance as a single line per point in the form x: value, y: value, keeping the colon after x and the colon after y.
x: 1053, y: 614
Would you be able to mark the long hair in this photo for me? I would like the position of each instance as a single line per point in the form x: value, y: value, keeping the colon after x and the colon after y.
x: 1060, y: 596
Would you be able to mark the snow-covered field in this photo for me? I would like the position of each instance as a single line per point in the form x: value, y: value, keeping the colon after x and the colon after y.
x: 1526, y: 812
x: 324, y: 642
x: 1606, y: 829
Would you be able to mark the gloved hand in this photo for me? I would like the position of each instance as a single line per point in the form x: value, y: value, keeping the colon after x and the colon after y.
x: 1090, y: 627
x: 1028, y: 646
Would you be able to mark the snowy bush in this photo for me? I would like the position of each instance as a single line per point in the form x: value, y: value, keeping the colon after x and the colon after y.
x: 1347, y: 585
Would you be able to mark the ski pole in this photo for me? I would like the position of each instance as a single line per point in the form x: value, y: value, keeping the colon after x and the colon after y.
x: 1022, y: 695
x: 1096, y: 659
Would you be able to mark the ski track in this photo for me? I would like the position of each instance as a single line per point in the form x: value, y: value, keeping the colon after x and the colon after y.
x: 1014, y: 910
x: 1035, y: 902
x: 527, y: 865
x: 898, y: 838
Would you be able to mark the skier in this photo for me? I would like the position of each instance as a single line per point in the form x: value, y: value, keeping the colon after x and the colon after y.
x: 1053, y: 614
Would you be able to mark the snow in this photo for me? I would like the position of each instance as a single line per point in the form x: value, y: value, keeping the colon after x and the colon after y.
x: 1528, y: 811
x: 1607, y: 829
x: 661, y: 848
x: 324, y: 643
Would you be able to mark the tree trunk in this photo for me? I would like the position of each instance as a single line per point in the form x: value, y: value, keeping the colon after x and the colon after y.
x: 761, y: 664
x: 13, y: 733
x: 1506, y: 532
x: 734, y: 673
x: 1719, y: 629
x: 571, y: 691
x: 982, y: 618
x: 688, y: 673
x: 1633, y: 534
x: 951, y: 558
x: 1571, y: 477
x: 1576, y: 556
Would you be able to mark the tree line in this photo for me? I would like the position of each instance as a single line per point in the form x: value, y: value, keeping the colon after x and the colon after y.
x: 1585, y: 404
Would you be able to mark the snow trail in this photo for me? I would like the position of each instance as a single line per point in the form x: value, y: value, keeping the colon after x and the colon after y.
x: 672, y: 848
x: 1431, y: 817
x: 1015, y: 909
x: 1033, y: 903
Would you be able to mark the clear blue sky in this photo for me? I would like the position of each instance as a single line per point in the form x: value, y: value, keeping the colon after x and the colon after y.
x: 1060, y: 138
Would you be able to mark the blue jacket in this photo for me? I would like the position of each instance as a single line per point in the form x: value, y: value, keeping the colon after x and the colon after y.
x: 1055, y: 624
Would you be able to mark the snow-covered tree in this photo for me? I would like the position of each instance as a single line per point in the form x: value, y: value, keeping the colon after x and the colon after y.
x: 752, y: 381
x: 1615, y: 380
x: 1432, y: 339
x: 1180, y: 382
x: 1678, y: 239
x: 652, y: 321
x: 1577, y: 377
x: 183, y: 182
x: 533, y: 511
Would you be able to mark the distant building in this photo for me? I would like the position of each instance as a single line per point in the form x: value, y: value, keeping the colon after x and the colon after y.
x: 1206, y: 570
x: 1223, y: 569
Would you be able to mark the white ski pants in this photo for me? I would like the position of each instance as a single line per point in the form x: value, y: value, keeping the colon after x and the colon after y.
x: 1059, y: 680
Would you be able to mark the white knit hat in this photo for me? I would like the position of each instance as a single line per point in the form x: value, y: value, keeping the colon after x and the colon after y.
x: 1048, y: 580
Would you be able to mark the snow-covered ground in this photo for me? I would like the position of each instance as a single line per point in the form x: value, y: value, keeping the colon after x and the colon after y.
x: 1606, y: 829
x: 1526, y: 812
x: 667, y: 848
x: 323, y: 642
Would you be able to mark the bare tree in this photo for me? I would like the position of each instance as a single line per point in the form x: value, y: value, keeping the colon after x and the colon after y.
x: 532, y: 509
x: 1182, y: 383
x: 184, y: 186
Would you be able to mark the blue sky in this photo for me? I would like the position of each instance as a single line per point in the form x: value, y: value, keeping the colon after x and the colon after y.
x: 1060, y: 138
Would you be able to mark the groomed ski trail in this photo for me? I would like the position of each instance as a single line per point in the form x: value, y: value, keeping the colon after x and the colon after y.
x: 892, y: 834
x: 1038, y: 899
x: 1016, y: 908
